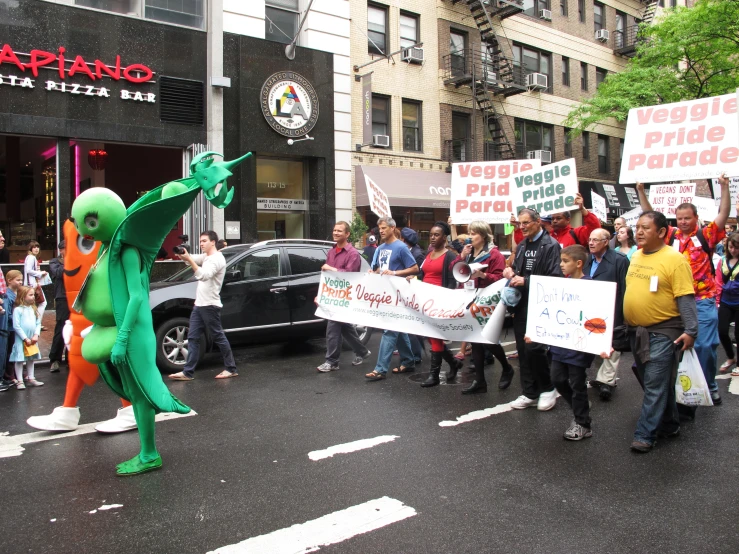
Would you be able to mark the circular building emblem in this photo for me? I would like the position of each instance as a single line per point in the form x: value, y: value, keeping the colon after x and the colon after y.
x: 289, y: 104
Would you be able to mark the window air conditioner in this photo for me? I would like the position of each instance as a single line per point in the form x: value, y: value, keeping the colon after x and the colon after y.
x: 544, y: 155
x: 412, y: 55
x: 536, y: 81
x: 381, y: 140
x: 545, y: 14
x: 602, y: 35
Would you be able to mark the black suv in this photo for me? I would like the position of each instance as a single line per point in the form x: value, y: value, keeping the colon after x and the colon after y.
x: 267, y: 296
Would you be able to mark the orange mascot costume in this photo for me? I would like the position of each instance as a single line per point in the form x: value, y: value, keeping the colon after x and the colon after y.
x: 80, y: 255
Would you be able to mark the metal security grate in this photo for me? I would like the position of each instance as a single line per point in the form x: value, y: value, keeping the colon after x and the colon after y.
x: 181, y: 101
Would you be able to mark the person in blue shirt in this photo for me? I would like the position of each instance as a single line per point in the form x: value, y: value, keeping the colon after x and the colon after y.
x: 392, y: 259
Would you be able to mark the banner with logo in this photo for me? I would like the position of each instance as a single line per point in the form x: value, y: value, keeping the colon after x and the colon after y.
x: 696, y: 139
x: 411, y: 307
x: 548, y: 190
x: 571, y: 313
x: 378, y: 200
x: 665, y: 198
x: 483, y: 190
x: 367, y: 108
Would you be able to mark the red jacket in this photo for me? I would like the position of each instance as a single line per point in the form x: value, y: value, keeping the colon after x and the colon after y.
x: 564, y: 236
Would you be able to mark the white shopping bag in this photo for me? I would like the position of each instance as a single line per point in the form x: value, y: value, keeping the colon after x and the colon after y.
x: 691, y: 388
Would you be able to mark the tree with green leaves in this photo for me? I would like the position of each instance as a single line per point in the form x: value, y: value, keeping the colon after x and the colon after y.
x: 358, y: 229
x: 686, y: 54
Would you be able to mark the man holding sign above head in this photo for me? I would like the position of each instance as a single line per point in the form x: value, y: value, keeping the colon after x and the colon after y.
x: 563, y: 232
x: 697, y: 244
x: 538, y: 254
x: 392, y: 259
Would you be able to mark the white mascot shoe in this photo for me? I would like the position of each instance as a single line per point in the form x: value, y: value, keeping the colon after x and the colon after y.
x: 123, y: 421
x: 61, y: 419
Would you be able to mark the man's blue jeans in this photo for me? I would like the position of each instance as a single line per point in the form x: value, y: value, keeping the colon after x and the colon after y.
x: 387, y: 346
x: 706, y: 345
x: 659, y: 409
x: 416, y: 347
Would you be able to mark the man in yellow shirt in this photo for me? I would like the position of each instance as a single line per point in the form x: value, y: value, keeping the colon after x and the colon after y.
x: 659, y: 307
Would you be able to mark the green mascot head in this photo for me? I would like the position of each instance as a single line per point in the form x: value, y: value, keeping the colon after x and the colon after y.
x: 97, y: 213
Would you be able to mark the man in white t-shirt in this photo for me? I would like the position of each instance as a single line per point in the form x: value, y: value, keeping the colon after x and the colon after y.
x: 209, y: 268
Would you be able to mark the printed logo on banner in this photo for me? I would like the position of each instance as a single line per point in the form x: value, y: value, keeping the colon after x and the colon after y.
x: 482, y: 190
x: 547, y: 190
x: 379, y: 202
x: 685, y: 140
x: 665, y: 198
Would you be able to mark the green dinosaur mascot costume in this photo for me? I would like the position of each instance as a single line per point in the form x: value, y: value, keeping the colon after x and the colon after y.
x: 115, y: 297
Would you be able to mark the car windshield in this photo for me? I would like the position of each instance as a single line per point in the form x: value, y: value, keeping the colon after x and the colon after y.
x: 186, y: 273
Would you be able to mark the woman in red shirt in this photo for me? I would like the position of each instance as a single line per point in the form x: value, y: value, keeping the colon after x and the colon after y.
x: 437, y: 270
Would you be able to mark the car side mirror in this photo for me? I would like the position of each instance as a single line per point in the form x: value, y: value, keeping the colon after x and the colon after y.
x: 233, y: 275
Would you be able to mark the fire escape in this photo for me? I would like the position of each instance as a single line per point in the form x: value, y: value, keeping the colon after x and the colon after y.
x: 488, y: 73
x: 626, y: 40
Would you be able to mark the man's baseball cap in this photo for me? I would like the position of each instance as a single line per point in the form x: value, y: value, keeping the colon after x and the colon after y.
x: 371, y: 239
x: 546, y: 218
x: 409, y: 236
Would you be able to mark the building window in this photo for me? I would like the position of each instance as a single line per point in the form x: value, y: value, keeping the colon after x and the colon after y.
x: 460, y: 144
x: 533, y: 61
x: 533, y: 7
x: 583, y: 76
x: 581, y: 10
x: 563, y: 7
x: 531, y: 136
x: 585, y: 145
x: 376, y: 30
x: 603, y: 157
x: 600, y: 76
x: 380, y: 115
x: 568, y: 143
x: 457, y: 52
x: 190, y: 13
x: 618, y: 35
x: 599, y: 16
x: 408, y: 30
x: 281, y: 20
x: 566, y: 71
x: 411, y: 126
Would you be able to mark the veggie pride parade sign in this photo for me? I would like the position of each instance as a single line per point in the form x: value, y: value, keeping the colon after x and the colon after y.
x: 697, y: 139
x: 411, y: 307
x: 548, y: 190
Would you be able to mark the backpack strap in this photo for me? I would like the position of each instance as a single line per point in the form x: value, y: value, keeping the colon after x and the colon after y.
x: 706, y: 249
x: 574, y: 237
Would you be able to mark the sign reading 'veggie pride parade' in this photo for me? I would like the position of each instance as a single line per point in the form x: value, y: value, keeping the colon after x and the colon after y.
x: 483, y: 190
x: 547, y: 190
x: 682, y: 141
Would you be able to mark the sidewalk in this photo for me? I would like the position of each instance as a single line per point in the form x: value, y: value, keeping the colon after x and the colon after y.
x: 44, y: 340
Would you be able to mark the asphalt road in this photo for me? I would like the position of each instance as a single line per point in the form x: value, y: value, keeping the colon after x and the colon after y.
x: 241, y: 469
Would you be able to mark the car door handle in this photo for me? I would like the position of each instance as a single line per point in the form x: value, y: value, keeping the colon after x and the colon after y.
x: 278, y: 290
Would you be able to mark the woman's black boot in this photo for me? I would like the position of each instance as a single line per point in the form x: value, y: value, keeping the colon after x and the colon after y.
x: 433, y: 378
x: 454, y: 365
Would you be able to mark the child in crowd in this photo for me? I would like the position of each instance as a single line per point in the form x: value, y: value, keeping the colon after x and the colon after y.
x: 14, y: 281
x: 27, y: 326
x: 569, y: 367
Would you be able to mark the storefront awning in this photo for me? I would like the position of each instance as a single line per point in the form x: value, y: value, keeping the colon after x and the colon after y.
x: 405, y: 187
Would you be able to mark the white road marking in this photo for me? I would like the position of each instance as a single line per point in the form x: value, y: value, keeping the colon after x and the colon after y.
x: 11, y: 445
x: 724, y: 376
x: 348, y: 447
x: 734, y: 386
x: 329, y: 529
x: 479, y: 414
x: 110, y: 506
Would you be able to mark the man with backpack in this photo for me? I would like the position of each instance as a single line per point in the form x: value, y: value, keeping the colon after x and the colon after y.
x: 697, y: 245
x: 565, y: 235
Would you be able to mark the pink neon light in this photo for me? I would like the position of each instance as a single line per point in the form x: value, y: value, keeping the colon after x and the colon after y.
x: 50, y: 153
x: 76, y: 170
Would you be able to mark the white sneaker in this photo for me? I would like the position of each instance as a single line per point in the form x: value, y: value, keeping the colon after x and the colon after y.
x: 123, y: 421
x: 523, y: 402
x: 547, y: 400
x: 61, y: 419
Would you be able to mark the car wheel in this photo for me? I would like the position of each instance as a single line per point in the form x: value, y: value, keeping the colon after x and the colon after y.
x: 171, y: 337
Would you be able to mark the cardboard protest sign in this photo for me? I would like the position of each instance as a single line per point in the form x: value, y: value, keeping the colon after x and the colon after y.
x: 548, y: 190
x: 599, y: 206
x: 484, y: 190
x: 665, y: 198
x: 412, y: 307
x: 571, y: 313
x: 631, y: 217
x: 379, y: 203
x: 707, y: 208
x: 734, y: 190
x: 696, y: 139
